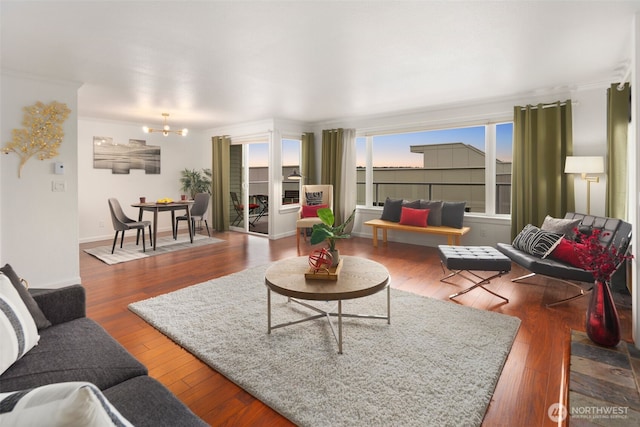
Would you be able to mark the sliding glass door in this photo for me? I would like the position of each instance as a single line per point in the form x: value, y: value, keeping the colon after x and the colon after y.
x: 249, y: 185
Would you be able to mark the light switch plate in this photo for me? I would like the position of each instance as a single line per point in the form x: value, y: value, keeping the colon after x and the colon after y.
x: 58, y: 186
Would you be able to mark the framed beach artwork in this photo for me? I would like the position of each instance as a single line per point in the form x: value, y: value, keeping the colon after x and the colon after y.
x: 121, y: 158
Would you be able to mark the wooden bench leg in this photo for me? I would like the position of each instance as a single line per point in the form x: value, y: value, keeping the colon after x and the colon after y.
x: 298, y: 238
x: 384, y: 236
x: 375, y: 237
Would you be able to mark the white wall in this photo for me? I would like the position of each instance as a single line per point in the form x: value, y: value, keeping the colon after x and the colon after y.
x: 39, y: 230
x: 590, y: 139
x: 97, y: 185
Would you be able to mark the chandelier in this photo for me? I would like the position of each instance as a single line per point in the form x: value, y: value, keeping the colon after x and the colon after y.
x: 166, y: 130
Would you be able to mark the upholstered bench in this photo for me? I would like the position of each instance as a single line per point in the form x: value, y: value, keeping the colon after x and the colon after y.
x: 459, y: 259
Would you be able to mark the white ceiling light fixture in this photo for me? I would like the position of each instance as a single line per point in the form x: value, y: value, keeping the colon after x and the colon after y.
x: 166, y: 130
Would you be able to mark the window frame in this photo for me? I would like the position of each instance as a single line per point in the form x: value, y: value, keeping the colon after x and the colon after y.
x: 490, y: 158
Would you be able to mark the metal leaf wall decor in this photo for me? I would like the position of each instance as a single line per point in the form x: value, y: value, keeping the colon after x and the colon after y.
x: 42, y: 133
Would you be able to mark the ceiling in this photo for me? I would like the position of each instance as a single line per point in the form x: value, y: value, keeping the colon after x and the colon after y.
x: 220, y: 62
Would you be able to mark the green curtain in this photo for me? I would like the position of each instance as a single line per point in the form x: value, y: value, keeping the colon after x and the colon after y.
x: 618, y: 111
x: 220, y: 182
x: 332, y: 149
x: 308, y: 166
x: 542, y: 139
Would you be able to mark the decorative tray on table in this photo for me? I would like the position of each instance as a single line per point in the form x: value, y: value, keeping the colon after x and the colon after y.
x: 331, y: 273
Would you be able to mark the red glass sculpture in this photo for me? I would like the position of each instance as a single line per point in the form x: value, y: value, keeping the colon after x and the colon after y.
x: 320, y: 259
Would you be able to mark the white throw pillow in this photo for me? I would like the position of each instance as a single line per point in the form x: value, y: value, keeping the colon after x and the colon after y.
x: 67, y: 404
x: 18, y: 331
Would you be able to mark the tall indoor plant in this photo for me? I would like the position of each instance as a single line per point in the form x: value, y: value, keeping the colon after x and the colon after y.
x: 327, y: 231
x: 193, y: 181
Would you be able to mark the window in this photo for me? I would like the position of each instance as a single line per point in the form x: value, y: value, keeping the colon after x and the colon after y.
x: 444, y: 164
x: 504, y: 159
x: 291, y: 155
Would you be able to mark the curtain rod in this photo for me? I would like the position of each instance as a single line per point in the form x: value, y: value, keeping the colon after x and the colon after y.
x: 626, y: 76
x: 554, y: 104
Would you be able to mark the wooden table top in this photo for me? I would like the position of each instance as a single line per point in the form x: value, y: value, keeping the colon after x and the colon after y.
x: 359, y: 277
x: 176, y: 203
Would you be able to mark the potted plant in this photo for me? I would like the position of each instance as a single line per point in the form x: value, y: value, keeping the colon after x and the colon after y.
x: 327, y: 231
x: 194, y: 181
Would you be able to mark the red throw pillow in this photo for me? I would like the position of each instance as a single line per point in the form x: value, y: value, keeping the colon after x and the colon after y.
x: 415, y: 217
x: 565, y: 252
x: 311, y: 211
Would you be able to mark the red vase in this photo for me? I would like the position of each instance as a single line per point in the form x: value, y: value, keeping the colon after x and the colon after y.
x: 603, y: 324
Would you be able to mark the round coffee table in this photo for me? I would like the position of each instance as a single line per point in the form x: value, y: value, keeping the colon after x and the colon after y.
x: 358, y: 278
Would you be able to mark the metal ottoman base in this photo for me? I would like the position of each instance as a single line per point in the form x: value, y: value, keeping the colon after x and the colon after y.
x: 459, y: 259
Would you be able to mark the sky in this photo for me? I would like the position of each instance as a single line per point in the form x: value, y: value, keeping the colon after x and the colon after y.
x: 259, y: 153
x: 393, y: 150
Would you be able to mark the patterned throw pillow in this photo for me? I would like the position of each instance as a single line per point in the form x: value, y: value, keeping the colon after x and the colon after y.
x: 18, y: 332
x: 60, y: 404
x: 536, y: 242
x: 314, y: 198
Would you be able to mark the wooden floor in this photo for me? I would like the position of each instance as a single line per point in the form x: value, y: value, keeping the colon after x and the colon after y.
x: 531, y: 381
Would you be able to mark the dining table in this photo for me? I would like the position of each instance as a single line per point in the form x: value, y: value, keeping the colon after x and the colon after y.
x: 172, y: 207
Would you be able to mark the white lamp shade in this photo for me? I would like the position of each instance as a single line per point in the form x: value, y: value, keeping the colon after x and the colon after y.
x: 295, y: 175
x: 584, y: 164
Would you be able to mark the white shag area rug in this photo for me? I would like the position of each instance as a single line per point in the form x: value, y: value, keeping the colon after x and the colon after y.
x: 130, y: 251
x: 436, y: 364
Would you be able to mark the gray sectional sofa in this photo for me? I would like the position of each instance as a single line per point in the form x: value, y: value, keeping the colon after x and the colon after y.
x: 76, y: 348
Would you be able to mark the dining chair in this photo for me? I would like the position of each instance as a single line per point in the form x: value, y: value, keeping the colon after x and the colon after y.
x: 311, y: 197
x: 198, y: 212
x: 121, y: 223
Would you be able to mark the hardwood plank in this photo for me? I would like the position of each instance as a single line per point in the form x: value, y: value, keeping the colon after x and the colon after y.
x: 531, y: 378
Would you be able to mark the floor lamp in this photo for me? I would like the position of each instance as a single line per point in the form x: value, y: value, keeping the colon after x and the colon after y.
x: 585, y: 165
